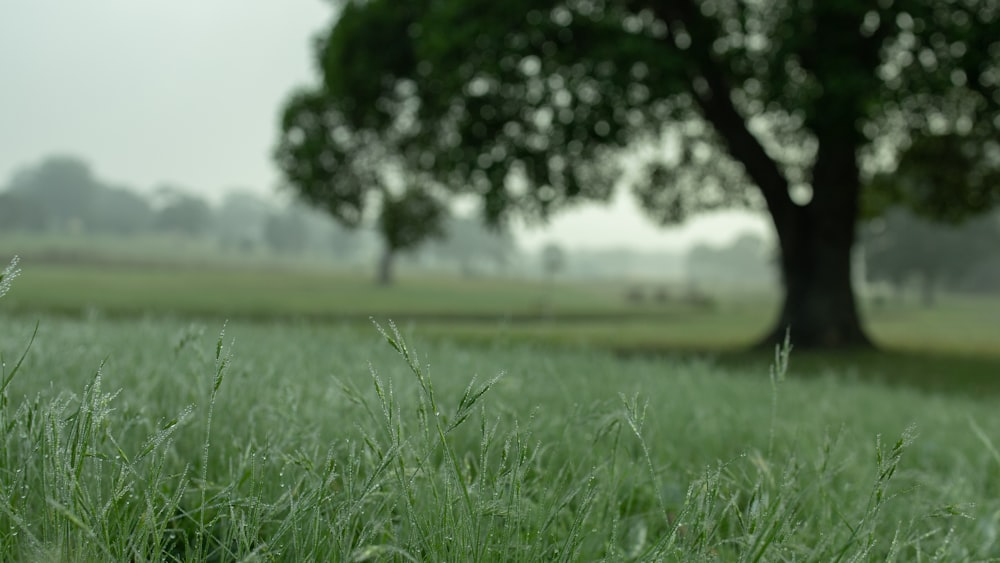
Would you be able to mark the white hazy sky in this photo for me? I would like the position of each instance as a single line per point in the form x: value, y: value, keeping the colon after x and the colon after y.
x: 187, y: 92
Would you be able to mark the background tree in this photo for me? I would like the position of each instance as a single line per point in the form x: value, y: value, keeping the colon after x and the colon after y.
x: 405, y: 222
x: 119, y: 211
x: 900, y: 247
x: 182, y: 213
x: 21, y: 214
x: 553, y: 259
x: 784, y: 105
x: 286, y: 231
x: 62, y: 189
x: 747, y: 262
x: 328, y: 238
x: 346, y: 176
x: 61, y: 194
x: 471, y: 245
x: 240, y: 219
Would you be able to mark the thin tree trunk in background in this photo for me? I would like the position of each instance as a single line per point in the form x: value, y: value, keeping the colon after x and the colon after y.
x: 384, y: 276
x: 928, y: 290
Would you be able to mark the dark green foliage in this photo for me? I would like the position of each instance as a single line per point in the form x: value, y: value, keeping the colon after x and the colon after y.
x: 477, y: 90
x: 945, y: 177
x: 411, y: 218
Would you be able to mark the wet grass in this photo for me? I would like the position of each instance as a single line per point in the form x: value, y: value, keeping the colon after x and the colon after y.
x: 162, y: 439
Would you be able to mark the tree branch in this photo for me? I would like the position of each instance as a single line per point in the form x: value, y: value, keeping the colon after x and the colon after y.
x: 711, y: 89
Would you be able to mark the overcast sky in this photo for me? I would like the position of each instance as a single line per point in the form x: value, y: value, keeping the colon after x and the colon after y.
x: 187, y: 92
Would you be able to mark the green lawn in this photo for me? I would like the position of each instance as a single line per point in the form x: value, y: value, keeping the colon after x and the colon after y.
x: 275, y: 443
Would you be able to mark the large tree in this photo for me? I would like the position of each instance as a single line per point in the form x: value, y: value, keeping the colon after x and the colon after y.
x: 789, y: 105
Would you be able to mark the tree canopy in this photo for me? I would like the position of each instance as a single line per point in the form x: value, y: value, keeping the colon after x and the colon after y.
x: 790, y: 106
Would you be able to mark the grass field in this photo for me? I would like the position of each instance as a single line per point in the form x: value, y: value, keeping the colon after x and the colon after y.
x: 952, y: 346
x: 272, y: 443
x: 141, y: 427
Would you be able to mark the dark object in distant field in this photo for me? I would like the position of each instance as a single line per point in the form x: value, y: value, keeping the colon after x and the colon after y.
x: 634, y: 295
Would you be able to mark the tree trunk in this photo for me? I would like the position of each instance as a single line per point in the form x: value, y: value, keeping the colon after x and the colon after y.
x: 384, y: 276
x: 819, y: 308
x: 816, y: 239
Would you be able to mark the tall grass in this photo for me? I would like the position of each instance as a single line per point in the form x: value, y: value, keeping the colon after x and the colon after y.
x: 297, y: 442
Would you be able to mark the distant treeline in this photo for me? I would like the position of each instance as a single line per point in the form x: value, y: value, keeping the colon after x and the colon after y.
x: 904, y: 250
x: 62, y: 196
x: 899, y: 251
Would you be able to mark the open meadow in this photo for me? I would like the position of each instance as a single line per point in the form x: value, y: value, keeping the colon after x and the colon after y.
x: 953, y: 346
x: 154, y: 434
x: 452, y: 281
